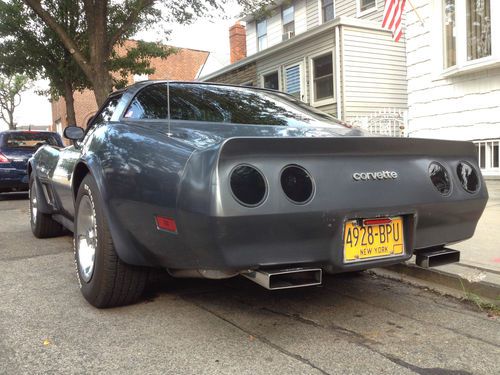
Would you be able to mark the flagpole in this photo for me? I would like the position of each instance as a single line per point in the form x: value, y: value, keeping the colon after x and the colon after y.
x: 416, y: 12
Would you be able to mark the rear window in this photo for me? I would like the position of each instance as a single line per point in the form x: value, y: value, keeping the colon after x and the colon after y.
x: 31, y: 140
x: 212, y: 103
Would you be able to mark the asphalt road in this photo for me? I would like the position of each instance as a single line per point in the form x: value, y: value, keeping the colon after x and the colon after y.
x: 353, y: 324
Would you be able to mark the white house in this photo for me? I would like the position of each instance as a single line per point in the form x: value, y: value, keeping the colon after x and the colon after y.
x: 453, y: 64
x: 332, y: 54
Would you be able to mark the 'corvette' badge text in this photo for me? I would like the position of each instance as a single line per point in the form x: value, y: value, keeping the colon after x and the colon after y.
x: 382, y: 175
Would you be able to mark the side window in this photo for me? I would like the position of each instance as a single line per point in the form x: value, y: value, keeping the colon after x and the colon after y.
x: 107, y: 111
x: 150, y: 103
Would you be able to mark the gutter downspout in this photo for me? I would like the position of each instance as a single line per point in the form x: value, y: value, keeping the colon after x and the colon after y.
x: 338, y: 80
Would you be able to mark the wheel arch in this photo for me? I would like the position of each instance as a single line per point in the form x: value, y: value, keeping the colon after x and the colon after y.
x: 79, y: 173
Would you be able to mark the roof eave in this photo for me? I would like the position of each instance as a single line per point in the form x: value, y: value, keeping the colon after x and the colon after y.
x: 339, y: 21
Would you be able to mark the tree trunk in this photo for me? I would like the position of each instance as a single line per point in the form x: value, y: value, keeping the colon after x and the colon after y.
x: 103, y: 85
x: 70, y: 103
x: 12, y: 124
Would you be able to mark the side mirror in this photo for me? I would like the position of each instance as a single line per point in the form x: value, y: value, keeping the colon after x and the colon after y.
x: 73, y: 133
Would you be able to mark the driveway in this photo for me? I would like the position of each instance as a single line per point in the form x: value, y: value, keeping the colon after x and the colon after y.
x: 353, y: 324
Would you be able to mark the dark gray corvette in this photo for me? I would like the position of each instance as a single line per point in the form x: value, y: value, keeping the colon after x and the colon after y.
x: 214, y: 181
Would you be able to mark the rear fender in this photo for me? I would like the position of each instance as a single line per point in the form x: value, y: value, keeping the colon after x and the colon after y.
x: 42, y: 204
x: 122, y: 240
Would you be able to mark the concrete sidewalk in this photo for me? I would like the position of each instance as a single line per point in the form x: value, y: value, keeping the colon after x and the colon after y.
x: 477, y: 276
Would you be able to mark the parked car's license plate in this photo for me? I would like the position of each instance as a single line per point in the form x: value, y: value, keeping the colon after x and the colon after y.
x: 373, y: 238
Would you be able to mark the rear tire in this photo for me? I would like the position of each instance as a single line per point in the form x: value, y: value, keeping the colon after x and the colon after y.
x: 105, y: 280
x: 42, y: 225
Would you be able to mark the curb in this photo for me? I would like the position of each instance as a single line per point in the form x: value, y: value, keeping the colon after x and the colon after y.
x: 458, y: 280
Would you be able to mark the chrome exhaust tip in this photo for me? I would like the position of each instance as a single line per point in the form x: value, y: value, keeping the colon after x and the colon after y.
x: 436, y: 258
x: 286, y: 278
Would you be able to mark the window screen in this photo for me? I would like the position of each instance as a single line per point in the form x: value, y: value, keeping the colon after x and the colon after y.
x: 328, y: 10
x: 271, y: 81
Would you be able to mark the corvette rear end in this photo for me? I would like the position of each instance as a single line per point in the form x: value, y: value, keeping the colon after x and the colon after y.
x: 341, y: 204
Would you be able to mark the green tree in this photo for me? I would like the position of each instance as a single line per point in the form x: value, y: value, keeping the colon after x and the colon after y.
x: 10, y: 90
x: 28, y: 46
x: 107, y: 24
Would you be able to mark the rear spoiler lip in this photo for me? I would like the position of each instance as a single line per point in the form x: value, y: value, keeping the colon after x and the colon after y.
x: 347, y: 146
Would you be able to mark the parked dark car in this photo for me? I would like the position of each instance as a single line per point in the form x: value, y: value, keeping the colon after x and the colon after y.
x: 16, y: 147
x: 215, y: 181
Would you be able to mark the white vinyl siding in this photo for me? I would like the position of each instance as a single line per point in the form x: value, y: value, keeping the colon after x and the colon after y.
x: 461, y: 107
x: 274, y: 28
x: 300, y: 17
x: 373, y: 78
x: 312, y: 13
x: 251, y: 38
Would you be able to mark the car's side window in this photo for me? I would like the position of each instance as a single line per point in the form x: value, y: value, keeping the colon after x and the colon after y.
x: 107, y: 111
x: 150, y: 103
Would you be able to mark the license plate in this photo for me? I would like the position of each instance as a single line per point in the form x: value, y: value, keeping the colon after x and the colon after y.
x: 366, y: 239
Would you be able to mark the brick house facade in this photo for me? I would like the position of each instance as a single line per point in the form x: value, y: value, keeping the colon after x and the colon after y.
x: 185, y: 64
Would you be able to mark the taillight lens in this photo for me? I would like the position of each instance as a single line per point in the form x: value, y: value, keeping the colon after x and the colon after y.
x: 248, y: 185
x: 297, y: 184
x: 3, y: 159
x: 468, y: 177
x: 439, y: 177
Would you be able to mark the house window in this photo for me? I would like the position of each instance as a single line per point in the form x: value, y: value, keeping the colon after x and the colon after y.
x: 478, y: 29
x: 488, y: 154
x: 261, y: 35
x: 287, y: 14
x: 322, y: 78
x: 467, y: 32
x: 271, y: 81
x: 449, y: 30
x: 327, y: 10
x: 366, y: 6
x: 292, y: 81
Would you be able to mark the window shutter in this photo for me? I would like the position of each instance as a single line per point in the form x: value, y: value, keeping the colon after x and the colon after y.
x: 292, y: 76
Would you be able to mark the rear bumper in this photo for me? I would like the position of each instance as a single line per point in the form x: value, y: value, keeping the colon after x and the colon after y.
x: 13, y: 179
x: 293, y: 239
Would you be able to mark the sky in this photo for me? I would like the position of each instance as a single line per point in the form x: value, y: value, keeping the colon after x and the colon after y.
x: 204, y: 34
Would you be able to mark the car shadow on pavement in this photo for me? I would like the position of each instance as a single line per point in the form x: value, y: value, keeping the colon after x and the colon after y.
x: 14, y: 196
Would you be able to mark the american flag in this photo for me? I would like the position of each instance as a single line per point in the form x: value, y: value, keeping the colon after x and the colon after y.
x: 393, y: 14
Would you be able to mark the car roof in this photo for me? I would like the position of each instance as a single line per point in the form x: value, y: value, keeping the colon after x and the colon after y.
x: 139, y: 85
x: 26, y: 131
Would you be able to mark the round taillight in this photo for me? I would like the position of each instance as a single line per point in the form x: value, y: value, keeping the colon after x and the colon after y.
x: 439, y: 177
x: 297, y: 184
x: 248, y: 185
x: 468, y: 177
